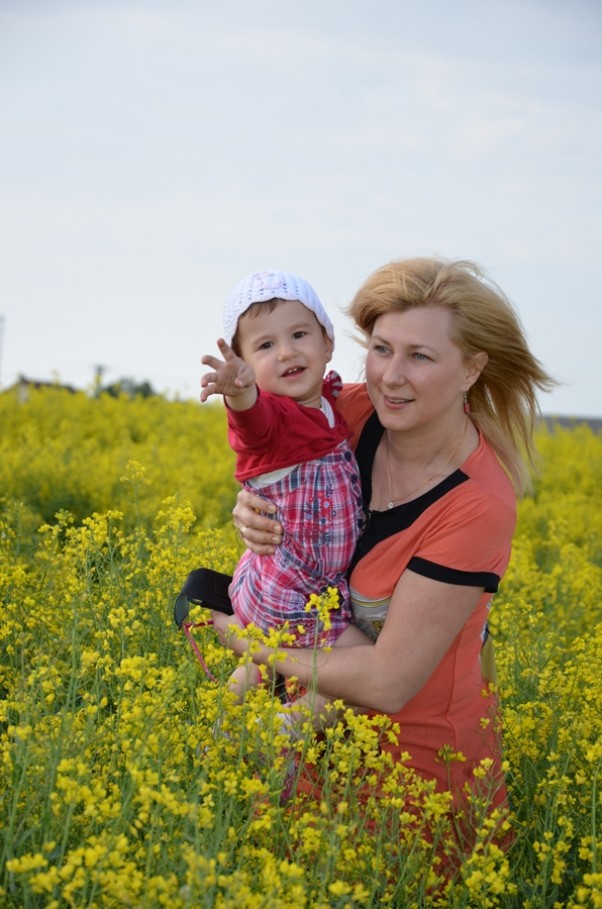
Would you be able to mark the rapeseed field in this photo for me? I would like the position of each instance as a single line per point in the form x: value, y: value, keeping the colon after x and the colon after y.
x: 129, y: 779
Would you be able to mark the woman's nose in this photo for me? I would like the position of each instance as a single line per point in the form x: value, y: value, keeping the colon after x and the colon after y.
x: 394, y: 374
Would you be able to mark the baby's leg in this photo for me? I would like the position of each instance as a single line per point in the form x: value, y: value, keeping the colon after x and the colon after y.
x: 243, y: 678
x: 352, y: 637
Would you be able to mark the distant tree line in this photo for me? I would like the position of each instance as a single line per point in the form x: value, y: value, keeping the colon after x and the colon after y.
x: 129, y: 387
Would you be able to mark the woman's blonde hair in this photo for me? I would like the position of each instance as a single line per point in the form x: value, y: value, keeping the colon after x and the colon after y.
x: 503, y: 400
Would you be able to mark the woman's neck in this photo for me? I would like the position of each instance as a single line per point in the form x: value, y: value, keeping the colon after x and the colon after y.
x: 432, y: 448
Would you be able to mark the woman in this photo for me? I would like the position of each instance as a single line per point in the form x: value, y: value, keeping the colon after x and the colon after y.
x: 443, y: 436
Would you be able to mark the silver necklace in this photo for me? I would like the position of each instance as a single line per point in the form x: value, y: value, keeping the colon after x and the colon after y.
x: 395, y: 501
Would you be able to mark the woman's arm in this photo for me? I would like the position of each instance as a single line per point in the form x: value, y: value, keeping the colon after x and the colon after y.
x: 423, y: 619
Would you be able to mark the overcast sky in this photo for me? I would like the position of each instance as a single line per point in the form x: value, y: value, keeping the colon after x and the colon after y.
x: 154, y: 153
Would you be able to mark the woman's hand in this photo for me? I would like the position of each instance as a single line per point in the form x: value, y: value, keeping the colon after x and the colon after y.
x: 259, y: 532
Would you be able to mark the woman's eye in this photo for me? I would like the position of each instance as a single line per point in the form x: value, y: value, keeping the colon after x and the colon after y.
x: 420, y: 356
x: 381, y: 348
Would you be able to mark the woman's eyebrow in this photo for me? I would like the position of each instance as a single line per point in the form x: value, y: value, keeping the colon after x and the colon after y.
x: 412, y: 345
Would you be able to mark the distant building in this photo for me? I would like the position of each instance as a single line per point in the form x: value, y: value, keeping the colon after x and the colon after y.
x: 24, y: 386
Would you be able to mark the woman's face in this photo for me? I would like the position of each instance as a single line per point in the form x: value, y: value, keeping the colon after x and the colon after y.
x: 415, y: 372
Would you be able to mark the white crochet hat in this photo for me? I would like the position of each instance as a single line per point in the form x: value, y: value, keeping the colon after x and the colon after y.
x: 270, y: 285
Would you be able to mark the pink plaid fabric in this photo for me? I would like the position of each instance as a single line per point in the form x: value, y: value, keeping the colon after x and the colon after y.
x: 320, y: 508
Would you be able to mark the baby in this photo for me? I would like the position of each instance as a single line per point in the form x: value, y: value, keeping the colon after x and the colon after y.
x: 291, y: 447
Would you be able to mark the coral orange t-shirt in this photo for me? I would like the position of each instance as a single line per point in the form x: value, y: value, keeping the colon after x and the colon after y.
x: 459, y: 532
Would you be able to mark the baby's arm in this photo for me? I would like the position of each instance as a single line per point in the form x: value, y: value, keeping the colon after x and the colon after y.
x: 231, y: 377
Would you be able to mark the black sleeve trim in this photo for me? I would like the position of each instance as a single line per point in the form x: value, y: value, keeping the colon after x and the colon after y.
x: 486, y: 579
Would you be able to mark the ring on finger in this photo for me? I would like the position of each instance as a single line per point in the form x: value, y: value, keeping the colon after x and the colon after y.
x: 242, y: 530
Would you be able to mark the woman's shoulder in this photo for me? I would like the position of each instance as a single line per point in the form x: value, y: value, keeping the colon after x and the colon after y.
x: 488, y: 475
x: 354, y: 405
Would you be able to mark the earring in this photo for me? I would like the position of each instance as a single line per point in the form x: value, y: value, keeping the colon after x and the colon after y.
x: 466, y: 403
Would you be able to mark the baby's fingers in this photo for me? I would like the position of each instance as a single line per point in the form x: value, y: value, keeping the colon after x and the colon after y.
x: 208, y: 387
x: 225, y: 349
x: 213, y: 362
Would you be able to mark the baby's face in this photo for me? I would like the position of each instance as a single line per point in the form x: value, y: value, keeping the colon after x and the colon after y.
x: 288, y: 349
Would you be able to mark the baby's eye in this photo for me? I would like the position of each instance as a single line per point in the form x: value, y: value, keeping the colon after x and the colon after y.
x: 265, y: 345
x: 299, y: 334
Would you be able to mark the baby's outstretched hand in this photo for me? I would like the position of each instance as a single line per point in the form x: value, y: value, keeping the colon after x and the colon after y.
x: 230, y: 376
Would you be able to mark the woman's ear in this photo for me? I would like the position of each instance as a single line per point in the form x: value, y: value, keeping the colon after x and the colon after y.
x: 475, y: 366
